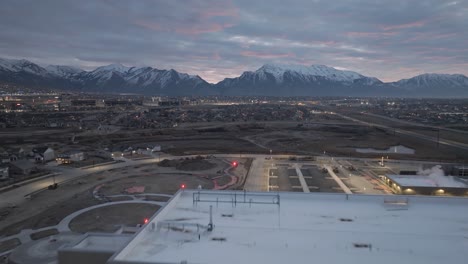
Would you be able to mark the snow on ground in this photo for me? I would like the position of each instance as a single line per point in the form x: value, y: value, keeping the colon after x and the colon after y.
x: 330, y: 228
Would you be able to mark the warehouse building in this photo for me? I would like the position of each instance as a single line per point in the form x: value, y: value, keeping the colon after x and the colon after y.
x: 239, y: 227
x: 426, y: 185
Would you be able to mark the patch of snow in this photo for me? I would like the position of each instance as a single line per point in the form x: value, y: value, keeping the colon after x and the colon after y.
x: 303, y: 228
x: 63, y: 71
x: 117, y: 67
x: 278, y: 70
x: 7, y: 64
x: 393, y: 149
x: 22, y: 66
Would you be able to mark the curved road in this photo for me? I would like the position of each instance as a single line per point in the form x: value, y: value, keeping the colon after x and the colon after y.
x: 18, y: 195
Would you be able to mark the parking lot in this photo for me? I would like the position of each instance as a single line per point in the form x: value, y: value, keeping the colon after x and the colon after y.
x: 286, y: 177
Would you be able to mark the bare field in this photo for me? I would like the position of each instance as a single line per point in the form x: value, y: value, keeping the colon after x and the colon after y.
x: 111, y: 218
x: 155, y: 183
x: 51, y: 206
x: 9, y: 244
x: 342, y: 141
x: 26, y: 218
x: 461, y: 137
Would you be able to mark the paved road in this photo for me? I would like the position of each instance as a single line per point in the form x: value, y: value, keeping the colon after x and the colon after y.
x: 338, y: 180
x: 410, y: 133
x: 257, y: 179
x: 416, y: 124
x: 305, y: 188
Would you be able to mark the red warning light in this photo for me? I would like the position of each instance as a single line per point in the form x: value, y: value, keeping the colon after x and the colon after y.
x: 146, y: 221
x: 234, y: 163
x: 182, y: 186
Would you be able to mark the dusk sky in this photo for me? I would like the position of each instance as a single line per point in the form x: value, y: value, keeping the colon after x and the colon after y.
x: 388, y: 39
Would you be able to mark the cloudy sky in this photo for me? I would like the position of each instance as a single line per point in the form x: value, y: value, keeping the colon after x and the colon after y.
x: 387, y: 39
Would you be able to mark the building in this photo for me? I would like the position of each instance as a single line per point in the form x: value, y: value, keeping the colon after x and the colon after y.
x: 5, y: 158
x: 156, y: 148
x: 239, y: 227
x: 93, y: 248
x: 460, y: 171
x: 71, y: 156
x: 11, y: 155
x: 83, y: 102
x: 4, y: 172
x: 18, y: 152
x: 43, y: 154
x: 22, y: 167
x: 426, y: 185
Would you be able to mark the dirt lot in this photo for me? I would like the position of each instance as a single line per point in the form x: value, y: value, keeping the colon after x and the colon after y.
x: 51, y: 206
x: 47, y: 215
x: 9, y: 244
x: 196, y: 164
x: 111, y: 218
x: 432, y: 132
x: 155, y: 183
x: 343, y: 140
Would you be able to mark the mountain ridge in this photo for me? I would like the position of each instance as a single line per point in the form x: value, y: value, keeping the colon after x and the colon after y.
x: 270, y: 79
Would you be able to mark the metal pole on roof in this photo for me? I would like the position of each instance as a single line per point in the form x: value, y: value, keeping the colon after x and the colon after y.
x: 210, y: 225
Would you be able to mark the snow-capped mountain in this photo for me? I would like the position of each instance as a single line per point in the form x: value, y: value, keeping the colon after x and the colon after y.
x: 298, y: 80
x: 63, y: 71
x: 119, y: 78
x: 268, y: 80
x: 434, y: 79
x: 433, y: 85
x: 117, y: 67
x: 14, y: 66
x: 110, y: 78
x: 309, y: 72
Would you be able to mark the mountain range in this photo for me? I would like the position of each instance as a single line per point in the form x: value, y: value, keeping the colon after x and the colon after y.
x: 268, y: 80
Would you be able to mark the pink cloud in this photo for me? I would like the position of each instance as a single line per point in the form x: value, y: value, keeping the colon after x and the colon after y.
x: 203, y: 28
x: 403, y: 26
x: 222, y: 12
x: 215, y: 56
x: 370, y: 34
x: 264, y: 55
x: 428, y: 36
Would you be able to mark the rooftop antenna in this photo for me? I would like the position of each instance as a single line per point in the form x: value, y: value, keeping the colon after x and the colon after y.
x: 210, y: 225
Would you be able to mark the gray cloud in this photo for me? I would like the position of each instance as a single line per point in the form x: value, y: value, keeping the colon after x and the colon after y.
x: 217, y: 39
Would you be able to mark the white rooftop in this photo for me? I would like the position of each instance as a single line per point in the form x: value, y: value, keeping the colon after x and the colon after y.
x: 103, y: 242
x: 427, y: 181
x: 303, y: 228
